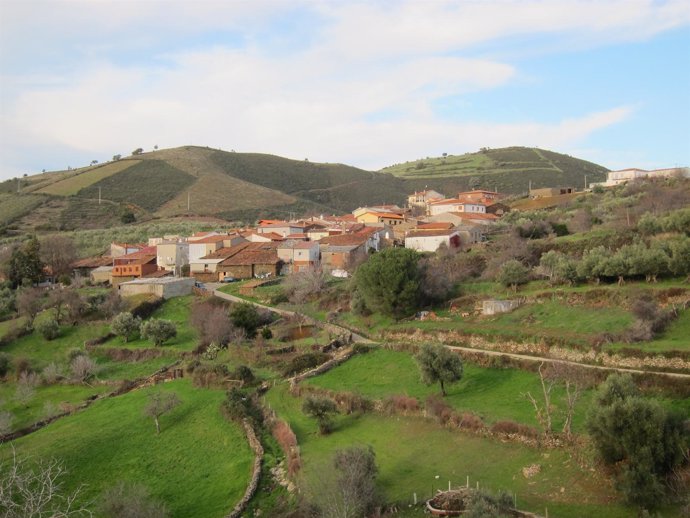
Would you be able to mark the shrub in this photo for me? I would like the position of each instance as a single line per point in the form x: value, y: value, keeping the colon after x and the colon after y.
x: 22, y: 365
x: 49, y: 329
x: 287, y: 440
x: 266, y: 333
x: 5, y: 362
x: 158, y: 330
x: 83, y: 368
x: 125, y: 325
x: 399, y: 404
x: 246, y: 316
x: 244, y: 374
x: 208, y: 375
x: 508, y: 427
x: 360, y: 348
x: 51, y: 373
x: 146, y: 308
x: 322, y: 409
x: 304, y: 362
x: 127, y: 500
x: 439, y: 409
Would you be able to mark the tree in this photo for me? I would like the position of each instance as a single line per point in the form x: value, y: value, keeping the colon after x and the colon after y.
x: 575, y: 380
x: 512, y: 274
x: 26, y: 388
x: 127, y: 216
x: 299, y: 287
x: 159, y: 404
x: 138, y: 151
x: 437, y: 364
x: 30, y: 304
x: 116, y: 158
x: 35, y: 488
x: 128, y: 500
x: 25, y: 264
x: 49, y: 329
x: 83, y: 368
x: 6, y: 420
x: 246, y: 316
x: 125, y: 325
x: 390, y: 282
x: 322, y: 409
x: 158, y: 331
x: 212, y: 323
x: 7, y: 299
x: 58, y: 253
x: 638, y: 437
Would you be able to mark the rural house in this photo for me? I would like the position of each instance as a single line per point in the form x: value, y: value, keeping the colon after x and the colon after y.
x: 431, y: 240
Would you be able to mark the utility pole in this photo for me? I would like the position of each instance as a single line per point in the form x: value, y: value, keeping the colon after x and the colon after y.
x: 99, y: 195
x: 188, y: 201
x: 18, y: 183
x: 585, y: 182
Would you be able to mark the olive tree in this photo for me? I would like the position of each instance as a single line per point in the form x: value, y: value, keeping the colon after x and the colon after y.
x: 322, y: 409
x: 125, y: 325
x: 437, y: 364
x: 158, y: 331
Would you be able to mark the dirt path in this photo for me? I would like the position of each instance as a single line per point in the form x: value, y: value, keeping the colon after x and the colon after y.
x: 287, y: 313
x: 567, y: 362
x: 359, y: 338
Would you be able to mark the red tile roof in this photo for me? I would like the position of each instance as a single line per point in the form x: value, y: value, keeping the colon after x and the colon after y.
x: 210, y: 240
x: 431, y: 233
x: 441, y: 225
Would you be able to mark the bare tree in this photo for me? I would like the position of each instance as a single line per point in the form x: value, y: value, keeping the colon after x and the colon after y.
x: 83, y: 368
x: 575, y: 379
x: 302, y: 286
x: 30, y: 304
x: 543, y: 410
x: 26, y: 388
x: 36, y: 489
x: 58, y: 253
x: 160, y: 403
x: 6, y: 420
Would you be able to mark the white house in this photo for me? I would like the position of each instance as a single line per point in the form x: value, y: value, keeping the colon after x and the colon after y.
x: 456, y: 205
x: 430, y: 240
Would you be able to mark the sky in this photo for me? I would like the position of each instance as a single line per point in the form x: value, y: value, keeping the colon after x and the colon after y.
x: 368, y: 84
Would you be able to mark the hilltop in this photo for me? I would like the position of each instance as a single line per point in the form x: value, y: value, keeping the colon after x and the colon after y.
x: 507, y: 170
x: 200, y: 181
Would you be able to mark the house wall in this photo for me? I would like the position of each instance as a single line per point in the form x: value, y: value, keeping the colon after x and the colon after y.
x: 239, y: 272
x: 204, y: 266
x: 166, y: 290
x: 435, y: 210
x: 431, y: 243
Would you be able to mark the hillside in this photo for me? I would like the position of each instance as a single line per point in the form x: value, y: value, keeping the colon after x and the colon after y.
x: 200, y: 181
x: 508, y: 170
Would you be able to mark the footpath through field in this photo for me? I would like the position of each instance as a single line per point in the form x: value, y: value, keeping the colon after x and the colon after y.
x: 359, y: 338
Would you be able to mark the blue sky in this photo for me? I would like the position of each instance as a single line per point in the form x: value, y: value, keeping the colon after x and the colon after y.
x: 364, y: 83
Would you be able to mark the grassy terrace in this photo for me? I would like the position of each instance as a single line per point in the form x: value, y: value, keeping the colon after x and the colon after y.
x: 199, y: 464
x: 408, y: 464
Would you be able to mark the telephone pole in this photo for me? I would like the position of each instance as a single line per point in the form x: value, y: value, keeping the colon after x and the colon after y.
x: 99, y: 195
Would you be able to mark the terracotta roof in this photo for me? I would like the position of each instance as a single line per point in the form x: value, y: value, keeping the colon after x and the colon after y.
x: 300, y: 235
x: 221, y: 253
x: 264, y: 222
x: 158, y: 274
x: 210, y: 239
x: 252, y: 253
x: 345, y: 239
x: 441, y: 225
x: 272, y: 236
x: 93, y: 262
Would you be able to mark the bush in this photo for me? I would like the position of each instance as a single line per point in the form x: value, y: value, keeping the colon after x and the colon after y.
x: 304, y: 362
x: 436, y: 407
x: 146, y: 308
x: 158, y: 331
x: 5, y: 363
x: 49, y: 329
x: 238, y: 405
x: 266, y: 333
x: 246, y: 316
x: 400, y: 405
x: 127, y: 500
x: 83, y: 368
x: 508, y: 427
x: 208, y: 375
x: 322, y: 409
x: 51, y: 374
x: 360, y: 348
x: 244, y: 374
x: 287, y: 440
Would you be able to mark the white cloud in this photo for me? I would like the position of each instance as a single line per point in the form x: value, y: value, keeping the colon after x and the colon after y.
x: 360, y: 89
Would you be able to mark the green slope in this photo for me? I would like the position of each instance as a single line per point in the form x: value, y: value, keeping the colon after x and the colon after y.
x: 508, y: 170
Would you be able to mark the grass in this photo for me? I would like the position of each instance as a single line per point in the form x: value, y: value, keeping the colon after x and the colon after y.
x: 409, y: 465
x: 199, y: 465
x: 73, y: 184
x: 494, y: 394
x: 674, y: 338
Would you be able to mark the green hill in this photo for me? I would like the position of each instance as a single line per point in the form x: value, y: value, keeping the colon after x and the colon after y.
x: 201, y: 181
x: 507, y: 170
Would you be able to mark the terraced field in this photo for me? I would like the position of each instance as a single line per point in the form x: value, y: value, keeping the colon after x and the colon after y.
x: 73, y: 184
x: 13, y: 207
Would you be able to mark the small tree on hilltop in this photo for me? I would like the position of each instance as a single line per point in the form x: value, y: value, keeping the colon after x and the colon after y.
x: 160, y: 403
x: 158, y: 331
x: 125, y: 325
x: 438, y: 364
x: 322, y: 409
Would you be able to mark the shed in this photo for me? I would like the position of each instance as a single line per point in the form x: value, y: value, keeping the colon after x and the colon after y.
x: 164, y: 287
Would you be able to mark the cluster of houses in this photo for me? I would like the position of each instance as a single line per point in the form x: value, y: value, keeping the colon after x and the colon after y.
x: 274, y: 247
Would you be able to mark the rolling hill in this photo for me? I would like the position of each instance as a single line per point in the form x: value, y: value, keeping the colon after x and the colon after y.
x: 201, y: 181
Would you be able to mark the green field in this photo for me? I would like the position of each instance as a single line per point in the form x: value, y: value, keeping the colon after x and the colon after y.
x: 493, y: 394
x: 411, y: 452
x: 73, y: 184
x: 199, y: 464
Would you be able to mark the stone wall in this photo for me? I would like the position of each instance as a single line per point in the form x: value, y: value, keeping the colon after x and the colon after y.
x: 256, y: 470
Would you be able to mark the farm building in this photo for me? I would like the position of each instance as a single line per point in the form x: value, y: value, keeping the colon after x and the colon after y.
x: 165, y: 287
